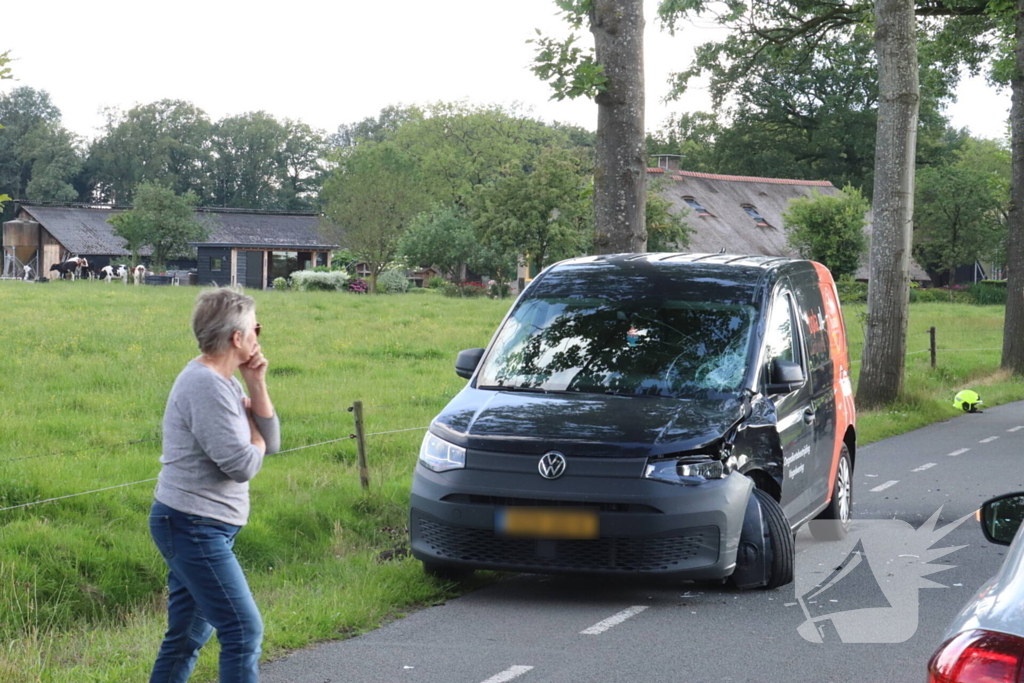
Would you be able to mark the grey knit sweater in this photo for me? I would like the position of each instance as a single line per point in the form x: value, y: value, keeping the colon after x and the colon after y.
x: 208, y: 458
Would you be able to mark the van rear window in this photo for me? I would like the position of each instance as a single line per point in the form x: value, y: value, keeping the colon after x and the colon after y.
x: 641, y: 346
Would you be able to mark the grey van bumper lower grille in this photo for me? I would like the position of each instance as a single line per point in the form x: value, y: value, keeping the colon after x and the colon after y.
x: 691, y: 549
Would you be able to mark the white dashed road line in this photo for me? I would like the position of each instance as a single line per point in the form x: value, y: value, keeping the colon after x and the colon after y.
x: 885, y: 485
x: 922, y: 468
x: 508, y: 674
x: 959, y: 452
x: 989, y: 439
x: 1015, y: 429
x: 602, y: 626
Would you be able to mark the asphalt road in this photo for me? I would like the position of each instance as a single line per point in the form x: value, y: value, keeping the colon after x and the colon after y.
x: 541, y: 629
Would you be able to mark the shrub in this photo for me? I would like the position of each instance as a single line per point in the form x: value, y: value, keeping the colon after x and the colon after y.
x: 466, y: 290
x: 851, y: 291
x: 418, y: 290
x: 499, y: 290
x: 280, y: 283
x: 989, y: 293
x: 393, y: 281
x: 942, y: 296
x: 436, y: 282
x: 310, y: 281
x: 358, y: 286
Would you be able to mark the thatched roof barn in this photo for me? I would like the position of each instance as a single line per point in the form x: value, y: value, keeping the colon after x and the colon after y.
x: 741, y: 214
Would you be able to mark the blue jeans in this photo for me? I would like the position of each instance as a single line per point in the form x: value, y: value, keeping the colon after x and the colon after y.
x: 207, y: 591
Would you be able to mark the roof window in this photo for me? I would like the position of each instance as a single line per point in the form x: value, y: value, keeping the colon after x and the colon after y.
x: 695, y: 205
x: 758, y: 218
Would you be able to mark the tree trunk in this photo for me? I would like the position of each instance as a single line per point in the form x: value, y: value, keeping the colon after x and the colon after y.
x: 1013, y: 326
x: 881, y: 377
x: 620, y: 170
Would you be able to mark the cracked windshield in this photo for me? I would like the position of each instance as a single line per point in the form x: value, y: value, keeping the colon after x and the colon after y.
x: 648, y: 347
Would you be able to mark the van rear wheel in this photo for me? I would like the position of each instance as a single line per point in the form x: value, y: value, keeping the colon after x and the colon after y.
x: 780, y: 536
x: 834, y: 521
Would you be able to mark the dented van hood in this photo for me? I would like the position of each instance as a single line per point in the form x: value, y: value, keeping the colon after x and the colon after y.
x: 584, y: 424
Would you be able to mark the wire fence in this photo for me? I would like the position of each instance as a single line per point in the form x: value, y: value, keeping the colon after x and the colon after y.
x: 914, y: 353
x: 348, y: 437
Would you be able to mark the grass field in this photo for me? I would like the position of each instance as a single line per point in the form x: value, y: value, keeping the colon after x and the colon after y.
x: 84, y: 373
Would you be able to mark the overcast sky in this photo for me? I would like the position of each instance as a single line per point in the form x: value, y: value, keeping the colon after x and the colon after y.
x: 329, y: 63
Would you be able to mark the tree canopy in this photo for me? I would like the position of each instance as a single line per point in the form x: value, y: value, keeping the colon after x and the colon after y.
x: 370, y: 201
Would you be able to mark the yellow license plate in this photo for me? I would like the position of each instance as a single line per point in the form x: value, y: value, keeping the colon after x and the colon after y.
x: 547, y: 523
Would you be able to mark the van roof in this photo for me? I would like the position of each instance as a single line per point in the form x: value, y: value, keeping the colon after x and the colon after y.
x: 735, y: 260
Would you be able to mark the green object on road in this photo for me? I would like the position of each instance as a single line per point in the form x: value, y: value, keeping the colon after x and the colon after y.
x: 967, y: 400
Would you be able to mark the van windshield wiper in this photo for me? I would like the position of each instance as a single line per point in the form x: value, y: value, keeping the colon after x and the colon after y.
x: 510, y: 387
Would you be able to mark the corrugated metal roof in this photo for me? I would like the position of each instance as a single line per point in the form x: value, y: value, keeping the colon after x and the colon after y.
x: 85, y: 230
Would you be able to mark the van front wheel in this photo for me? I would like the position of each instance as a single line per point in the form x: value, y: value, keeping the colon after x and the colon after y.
x: 780, y: 536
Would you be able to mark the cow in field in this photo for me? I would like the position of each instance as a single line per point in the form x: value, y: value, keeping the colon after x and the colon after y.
x: 110, y: 272
x: 68, y: 267
x: 138, y: 273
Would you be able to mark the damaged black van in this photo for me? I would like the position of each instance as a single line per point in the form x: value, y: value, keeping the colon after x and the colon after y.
x: 661, y: 414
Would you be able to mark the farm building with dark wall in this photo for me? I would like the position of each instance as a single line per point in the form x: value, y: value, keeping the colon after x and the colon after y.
x: 741, y: 214
x: 249, y: 248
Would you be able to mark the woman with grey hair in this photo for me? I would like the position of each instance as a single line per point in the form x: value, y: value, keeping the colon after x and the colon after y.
x: 214, y: 440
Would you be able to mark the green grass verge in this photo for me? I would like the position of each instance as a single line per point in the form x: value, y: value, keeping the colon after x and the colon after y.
x: 961, y: 330
x: 87, y: 367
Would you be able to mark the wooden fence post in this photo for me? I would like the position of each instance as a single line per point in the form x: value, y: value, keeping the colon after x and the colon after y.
x: 931, y: 333
x: 364, y: 472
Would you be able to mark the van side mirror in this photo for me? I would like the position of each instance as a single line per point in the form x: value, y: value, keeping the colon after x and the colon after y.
x: 1001, y: 517
x: 786, y: 376
x: 465, y: 364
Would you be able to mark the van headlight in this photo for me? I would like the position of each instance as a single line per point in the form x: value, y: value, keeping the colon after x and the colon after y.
x: 687, y: 470
x: 440, y: 456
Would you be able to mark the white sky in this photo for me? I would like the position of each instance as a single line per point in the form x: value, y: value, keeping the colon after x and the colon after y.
x: 329, y: 63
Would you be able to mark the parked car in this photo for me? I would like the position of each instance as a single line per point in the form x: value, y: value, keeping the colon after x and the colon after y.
x: 669, y: 414
x: 985, y: 642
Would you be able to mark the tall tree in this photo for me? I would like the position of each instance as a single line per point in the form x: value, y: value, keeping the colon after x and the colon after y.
x: 613, y: 75
x: 166, y: 141
x: 885, y: 344
x: 370, y: 200
x: 370, y: 129
x: 542, y: 215
x: 247, y: 149
x: 34, y: 144
x: 460, y: 147
x: 301, y: 169
x: 960, y: 209
x: 54, y: 158
x: 1013, y: 327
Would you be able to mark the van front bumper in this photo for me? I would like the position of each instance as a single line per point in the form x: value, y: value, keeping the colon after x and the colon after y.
x: 646, y: 527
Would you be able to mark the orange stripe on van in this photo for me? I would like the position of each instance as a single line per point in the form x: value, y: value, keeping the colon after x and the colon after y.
x: 841, y: 383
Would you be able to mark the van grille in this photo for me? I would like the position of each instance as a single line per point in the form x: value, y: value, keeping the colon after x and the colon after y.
x: 504, y: 501
x: 691, y: 549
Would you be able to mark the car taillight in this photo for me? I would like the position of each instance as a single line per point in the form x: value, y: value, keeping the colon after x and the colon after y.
x: 978, y: 657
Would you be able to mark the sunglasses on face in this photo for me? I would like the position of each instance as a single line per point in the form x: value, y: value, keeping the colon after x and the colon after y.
x: 258, y: 328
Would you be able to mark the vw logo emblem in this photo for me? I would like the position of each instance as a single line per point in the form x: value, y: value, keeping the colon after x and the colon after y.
x: 552, y: 465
